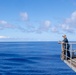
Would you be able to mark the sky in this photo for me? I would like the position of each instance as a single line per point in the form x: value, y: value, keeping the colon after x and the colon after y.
x: 37, y: 20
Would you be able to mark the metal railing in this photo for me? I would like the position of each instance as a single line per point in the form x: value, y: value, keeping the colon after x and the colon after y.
x: 71, y: 51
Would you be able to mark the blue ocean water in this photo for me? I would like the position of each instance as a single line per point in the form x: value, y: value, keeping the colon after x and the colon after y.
x: 32, y: 58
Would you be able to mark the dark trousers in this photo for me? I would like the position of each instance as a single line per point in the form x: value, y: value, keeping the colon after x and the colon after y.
x: 68, y: 53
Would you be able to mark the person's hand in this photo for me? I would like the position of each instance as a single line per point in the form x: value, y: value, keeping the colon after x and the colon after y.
x: 59, y: 42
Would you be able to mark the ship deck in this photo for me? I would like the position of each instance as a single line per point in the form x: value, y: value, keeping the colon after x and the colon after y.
x: 71, y: 63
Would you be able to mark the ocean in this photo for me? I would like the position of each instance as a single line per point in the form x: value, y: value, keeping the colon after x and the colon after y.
x: 32, y: 58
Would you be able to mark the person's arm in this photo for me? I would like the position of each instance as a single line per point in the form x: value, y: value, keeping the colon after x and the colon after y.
x: 61, y: 42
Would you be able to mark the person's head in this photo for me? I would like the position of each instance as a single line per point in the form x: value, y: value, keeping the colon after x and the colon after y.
x: 64, y: 36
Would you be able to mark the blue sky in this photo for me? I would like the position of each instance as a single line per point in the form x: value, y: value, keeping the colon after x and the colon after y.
x: 37, y: 20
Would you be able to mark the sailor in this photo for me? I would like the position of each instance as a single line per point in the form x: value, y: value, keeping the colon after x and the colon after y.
x: 65, y: 48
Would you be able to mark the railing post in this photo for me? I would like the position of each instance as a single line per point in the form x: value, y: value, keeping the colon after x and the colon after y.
x: 66, y: 51
x: 70, y: 53
x: 62, y: 53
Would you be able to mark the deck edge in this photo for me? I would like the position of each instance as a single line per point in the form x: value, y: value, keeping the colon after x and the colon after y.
x: 72, y: 67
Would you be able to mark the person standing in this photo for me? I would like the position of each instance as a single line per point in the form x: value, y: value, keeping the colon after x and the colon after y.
x: 65, y: 48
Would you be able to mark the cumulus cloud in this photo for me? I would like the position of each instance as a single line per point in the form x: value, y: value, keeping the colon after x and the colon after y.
x: 29, y: 27
x: 72, y: 19
x: 67, y: 28
x: 54, y: 29
x: 24, y: 16
x: 5, y: 24
x: 70, y: 23
x: 44, y: 26
x: 41, y: 27
x: 47, y: 23
x: 3, y: 37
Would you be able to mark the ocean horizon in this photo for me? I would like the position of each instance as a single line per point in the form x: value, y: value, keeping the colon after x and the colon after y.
x: 32, y: 58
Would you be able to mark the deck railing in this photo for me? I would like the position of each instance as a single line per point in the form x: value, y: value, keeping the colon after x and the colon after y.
x: 72, y: 53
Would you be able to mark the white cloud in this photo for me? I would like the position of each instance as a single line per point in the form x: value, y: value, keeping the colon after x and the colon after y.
x: 65, y: 27
x: 54, y: 29
x: 70, y: 23
x: 45, y: 26
x: 24, y: 16
x: 72, y: 19
x: 73, y: 16
x: 3, y: 37
x: 47, y: 23
x: 5, y: 24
